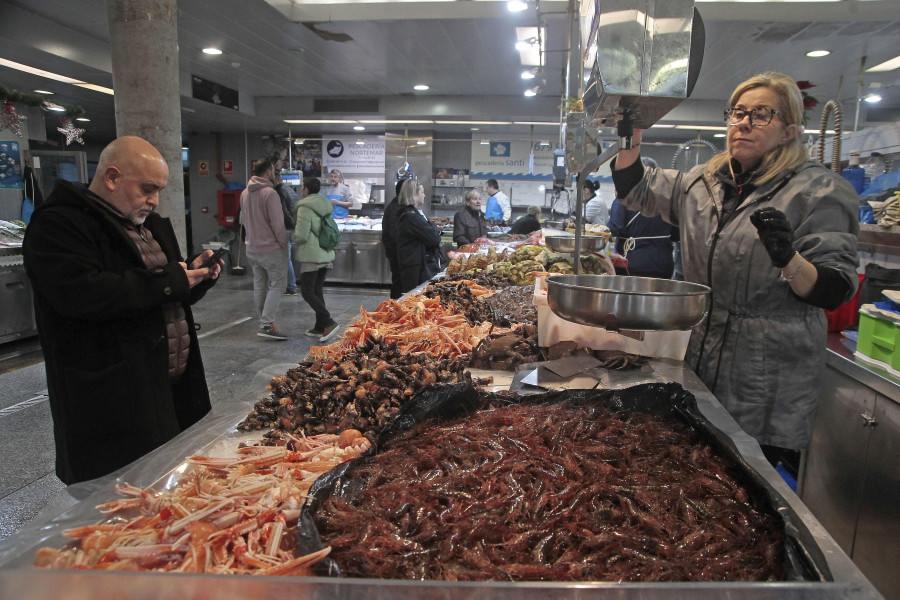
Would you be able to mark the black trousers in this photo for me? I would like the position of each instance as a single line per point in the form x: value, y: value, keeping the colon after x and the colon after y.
x: 311, y: 288
x: 396, y: 287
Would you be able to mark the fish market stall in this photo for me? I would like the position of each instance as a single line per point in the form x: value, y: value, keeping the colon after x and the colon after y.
x: 217, y: 432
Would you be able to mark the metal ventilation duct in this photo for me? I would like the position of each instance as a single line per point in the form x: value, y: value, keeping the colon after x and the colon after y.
x: 648, y: 56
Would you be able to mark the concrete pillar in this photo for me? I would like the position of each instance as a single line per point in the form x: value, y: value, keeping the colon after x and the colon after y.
x: 144, y: 45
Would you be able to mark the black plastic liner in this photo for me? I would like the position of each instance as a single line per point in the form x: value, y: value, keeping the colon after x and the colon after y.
x: 803, y: 559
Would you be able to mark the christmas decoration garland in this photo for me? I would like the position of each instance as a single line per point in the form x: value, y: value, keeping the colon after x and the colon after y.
x: 28, y: 99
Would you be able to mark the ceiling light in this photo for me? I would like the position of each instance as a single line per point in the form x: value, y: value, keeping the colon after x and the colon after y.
x: 549, y: 123
x: 54, y: 107
x: 84, y: 119
x: 320, y: 121
x: 421, y: 87
x: 872, y: 98
x: 53, y: 76
x: 888, y: 65
x: 474, y: 128
x: 662, y: 126
x: 474, y: 122
x: 358, y: 128
x: 544, y: 143
x: 214, y: 51
x: 818, y: 53
x: 44, y: 92
x: 530, y: 73
x: 533, y: 91
x: 719, y: 135
x: 394, y: 122
x: 703, y: 127
x: 421, y: 142
x: 360, y: 142
x: 526, y: 43
x: 484, y: 142
x: 516, y: 5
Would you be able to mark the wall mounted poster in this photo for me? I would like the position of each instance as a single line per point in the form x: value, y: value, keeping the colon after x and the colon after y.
x: 10, y: 166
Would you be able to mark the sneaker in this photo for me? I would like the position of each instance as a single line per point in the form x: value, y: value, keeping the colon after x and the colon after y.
x: 329, y: 332
x: 289, y: 293
x: 271, y: 332
x: 314, y: 333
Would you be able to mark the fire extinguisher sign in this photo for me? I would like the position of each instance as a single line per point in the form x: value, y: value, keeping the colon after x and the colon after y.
x: 227, y: 168
x: 203, y: 168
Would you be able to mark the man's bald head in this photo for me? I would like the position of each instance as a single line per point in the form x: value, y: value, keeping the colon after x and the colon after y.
x: 130, y: 175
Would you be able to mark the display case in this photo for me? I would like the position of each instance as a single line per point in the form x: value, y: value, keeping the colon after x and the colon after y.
x: 17, y: 316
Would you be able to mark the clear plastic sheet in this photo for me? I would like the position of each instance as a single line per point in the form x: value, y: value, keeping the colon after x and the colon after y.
x: 75, y: 506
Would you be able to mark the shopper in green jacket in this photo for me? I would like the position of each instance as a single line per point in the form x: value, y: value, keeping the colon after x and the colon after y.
x: 313, y: 259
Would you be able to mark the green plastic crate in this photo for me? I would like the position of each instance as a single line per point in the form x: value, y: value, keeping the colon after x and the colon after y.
x: 879, y: 338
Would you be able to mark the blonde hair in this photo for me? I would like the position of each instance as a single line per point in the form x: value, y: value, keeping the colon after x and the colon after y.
x: 408, y: 192
x: 787, y: 156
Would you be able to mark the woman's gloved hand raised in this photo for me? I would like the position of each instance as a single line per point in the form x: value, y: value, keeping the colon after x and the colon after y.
x: 776, y: 234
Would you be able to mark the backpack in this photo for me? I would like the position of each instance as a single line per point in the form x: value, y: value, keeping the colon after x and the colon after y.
x: 329, y: 235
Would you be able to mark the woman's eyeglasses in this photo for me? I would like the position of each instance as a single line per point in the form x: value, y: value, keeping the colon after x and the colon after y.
x: 759, y: 117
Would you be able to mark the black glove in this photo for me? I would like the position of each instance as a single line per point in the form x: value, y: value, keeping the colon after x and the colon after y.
x: 776, y: 234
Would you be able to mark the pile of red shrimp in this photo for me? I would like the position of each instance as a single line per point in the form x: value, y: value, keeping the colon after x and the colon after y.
x: 550, y: 492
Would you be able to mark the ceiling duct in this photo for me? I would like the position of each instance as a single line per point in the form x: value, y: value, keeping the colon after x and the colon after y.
x: 647, y: 59
x: 346, y: 105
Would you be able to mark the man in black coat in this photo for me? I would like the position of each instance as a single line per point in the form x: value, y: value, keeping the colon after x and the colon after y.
x: 389, y: 239
x: 112, y: 300
x: 468, y: 222
x: 527, y: 223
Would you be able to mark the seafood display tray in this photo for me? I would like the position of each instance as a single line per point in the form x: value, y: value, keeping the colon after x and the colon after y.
x: 216, y: 432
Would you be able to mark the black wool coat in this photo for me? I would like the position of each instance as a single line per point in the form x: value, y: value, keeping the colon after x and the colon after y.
x: 103, y: 335
x: 418, y: 248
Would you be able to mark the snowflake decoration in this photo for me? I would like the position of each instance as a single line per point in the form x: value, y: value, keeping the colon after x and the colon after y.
x: 70, y: 131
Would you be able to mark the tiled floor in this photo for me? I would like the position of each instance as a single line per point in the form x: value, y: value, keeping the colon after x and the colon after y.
x: 232, y: 355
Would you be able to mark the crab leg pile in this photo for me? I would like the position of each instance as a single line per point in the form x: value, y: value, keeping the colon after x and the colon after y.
x: 226, y: 515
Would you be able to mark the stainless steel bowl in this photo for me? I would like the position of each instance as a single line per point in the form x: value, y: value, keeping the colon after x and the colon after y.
x: 553, y: 224
x: 566, y: 243
x: 623, y: 302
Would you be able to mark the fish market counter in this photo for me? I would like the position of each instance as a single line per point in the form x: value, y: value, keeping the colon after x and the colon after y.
x: 360, y: 258
x: 75, y: 507
x: 850, y: 478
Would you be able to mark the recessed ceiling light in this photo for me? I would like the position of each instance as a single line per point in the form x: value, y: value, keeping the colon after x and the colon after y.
x: 719, y: 135
x: 421, y: 142
x: 818, y: 53
x: 211, y: 51
x: 474, y: 128
x: 359, y: 128
x: 531, y: 92
x: 55, y: 107
x: 872, y: 98
x: 44, y: 92
x: 421, y: 87
x: 85, y: 119
x: 360, y: 142
x: 484, y: 142
x: 529, y: 74
x: 516, y: 5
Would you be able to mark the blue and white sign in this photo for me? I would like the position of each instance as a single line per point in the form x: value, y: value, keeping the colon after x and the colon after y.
x: 347, y: 156
x: 500, y: 148
x: 516, y: 159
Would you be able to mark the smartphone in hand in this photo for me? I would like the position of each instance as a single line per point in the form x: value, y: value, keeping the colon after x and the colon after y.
x: 213, y: 258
